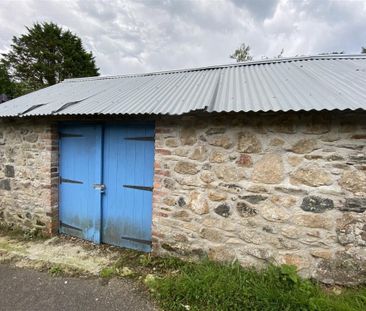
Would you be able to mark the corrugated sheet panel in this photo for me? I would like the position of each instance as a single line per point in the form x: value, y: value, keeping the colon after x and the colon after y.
x: 304, y: 83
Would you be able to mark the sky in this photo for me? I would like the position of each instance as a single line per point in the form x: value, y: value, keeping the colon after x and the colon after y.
x: 149, y: 35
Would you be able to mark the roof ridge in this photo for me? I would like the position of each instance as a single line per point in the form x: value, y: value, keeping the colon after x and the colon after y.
x: 212, y: 67
x: 322, y: 82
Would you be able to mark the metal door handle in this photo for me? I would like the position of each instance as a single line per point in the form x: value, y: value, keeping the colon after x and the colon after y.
x: 100, y: 187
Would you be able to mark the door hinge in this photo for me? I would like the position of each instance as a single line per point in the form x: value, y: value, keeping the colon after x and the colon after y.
x: 62, y: 224
x: 139, y: 187
x: 69, y: 135
x: 137, y: 240
x: 70, y: 181
x: 147, y: 138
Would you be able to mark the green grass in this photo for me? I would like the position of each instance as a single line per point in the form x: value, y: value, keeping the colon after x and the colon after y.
x: 56, y: 270
x: 162, y: 264
x: 212, y: 286
x: 107, y: 272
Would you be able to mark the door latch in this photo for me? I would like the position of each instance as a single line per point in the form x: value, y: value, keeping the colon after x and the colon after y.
x: 100, y: 187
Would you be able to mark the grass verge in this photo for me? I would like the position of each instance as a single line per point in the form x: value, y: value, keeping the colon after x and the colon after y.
x: 181, y: 285
x: 213, y: 286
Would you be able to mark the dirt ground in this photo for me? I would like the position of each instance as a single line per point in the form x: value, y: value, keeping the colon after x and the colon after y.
x: 63, y: 273
x: 23, y: 289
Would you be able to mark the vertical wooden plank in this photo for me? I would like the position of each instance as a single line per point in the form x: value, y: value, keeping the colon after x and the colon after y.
x: 127, y: 210
x: 80, y: 169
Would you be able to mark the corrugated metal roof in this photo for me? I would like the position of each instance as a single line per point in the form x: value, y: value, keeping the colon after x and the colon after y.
x: 302, y: 83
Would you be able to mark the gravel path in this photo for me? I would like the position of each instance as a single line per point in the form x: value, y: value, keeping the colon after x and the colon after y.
x: 28, y: 290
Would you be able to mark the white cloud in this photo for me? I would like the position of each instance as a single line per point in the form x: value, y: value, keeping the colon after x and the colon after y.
x: 148, y: 35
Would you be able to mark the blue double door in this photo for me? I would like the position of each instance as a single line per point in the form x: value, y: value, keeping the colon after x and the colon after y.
x: 106, y: 183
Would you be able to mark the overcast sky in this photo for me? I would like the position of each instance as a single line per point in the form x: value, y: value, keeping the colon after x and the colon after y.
x: 150, y: 35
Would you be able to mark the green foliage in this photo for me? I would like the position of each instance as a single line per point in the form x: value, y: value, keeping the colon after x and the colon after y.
x: 242, y: 54
x: 7, y: 86
x: 145, y: 260
x: 163, y: 264
x: 56, y: 270
x: 46, y: 55
x: 107, y: 272
x: 363, y: 50
x: 5, y: 82
x: 212, y: 286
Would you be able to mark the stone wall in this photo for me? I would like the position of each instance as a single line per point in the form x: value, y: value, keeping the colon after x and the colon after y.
x: 29, y: 175
x: 260, y: 188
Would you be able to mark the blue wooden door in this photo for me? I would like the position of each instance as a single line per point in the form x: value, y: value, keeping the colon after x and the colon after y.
x: 106, y: 180
x: 128, y: 177
x: 80, y: 174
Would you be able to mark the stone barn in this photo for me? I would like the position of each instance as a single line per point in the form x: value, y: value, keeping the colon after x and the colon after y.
x: 260, y: 162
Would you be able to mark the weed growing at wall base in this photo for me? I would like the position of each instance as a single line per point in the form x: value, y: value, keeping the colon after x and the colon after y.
x: 56, y: 270
x: 19, y: 233
x: 212, y: 286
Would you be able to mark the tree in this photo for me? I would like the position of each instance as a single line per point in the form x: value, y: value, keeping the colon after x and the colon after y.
x: 363, y: 50
x: 5, y: 83
x: 46, y: 55
x: 7, y: 87
x: 242, y: 54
